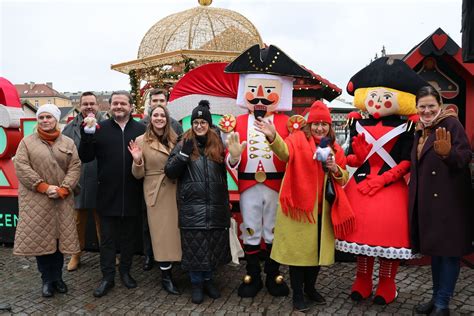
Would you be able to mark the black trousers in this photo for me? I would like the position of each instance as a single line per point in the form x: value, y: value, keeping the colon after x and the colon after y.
x: 51, y: 266
x: 121, y: 232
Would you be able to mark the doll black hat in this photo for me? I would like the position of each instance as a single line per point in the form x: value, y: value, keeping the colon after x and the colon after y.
x: 389, y: 73
x: 269, y: 60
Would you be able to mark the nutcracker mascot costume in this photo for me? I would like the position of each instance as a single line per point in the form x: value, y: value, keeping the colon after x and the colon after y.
x: 378, y: 192
x: 265, y: 87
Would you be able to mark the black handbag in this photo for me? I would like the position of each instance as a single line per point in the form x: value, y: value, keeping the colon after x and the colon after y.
x: 330, y: 193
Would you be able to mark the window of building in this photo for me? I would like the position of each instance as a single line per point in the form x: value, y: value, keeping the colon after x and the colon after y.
x: 36, y: 103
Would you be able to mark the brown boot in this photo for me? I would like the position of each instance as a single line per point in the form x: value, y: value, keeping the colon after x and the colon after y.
x: 74, y: 263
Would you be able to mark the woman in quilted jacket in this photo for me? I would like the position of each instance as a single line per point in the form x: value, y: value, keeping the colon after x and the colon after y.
x: 203, y: 202
x: 48, y: 169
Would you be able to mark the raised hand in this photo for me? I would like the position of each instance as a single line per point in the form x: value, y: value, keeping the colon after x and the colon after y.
x: 267, y: 128
x: 234, y: 146
x: 442, y: 144
x: 135, y: 151
x: 188, y: 146
x: 360, y: 147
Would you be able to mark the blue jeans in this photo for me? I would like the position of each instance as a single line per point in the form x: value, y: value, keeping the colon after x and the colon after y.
x: 445, y: 272
x: 198, y: 277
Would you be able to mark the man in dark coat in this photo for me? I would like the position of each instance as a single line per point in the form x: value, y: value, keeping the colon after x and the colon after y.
x: 86, y: 200
x: 119, y: 193
x: 156, y: 97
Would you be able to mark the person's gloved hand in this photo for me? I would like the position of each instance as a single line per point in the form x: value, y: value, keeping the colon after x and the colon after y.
x: 442, y: 144
x: 188, y: 146
x: 360, y: 147
x: 371, y: 184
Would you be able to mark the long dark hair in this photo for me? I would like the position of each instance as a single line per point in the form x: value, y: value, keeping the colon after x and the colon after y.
x: 428, y: 91
x: 169, y: 136
x: 214, y: 149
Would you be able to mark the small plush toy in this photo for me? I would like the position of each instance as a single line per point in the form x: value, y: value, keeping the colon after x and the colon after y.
x: 323, y: 151
x: 90, y: 124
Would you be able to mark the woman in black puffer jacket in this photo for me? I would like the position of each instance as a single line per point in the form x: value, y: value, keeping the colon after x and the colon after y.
x: 203, y: 202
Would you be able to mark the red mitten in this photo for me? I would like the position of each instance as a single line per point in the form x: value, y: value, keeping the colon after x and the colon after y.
x: 375, y: 183
x: 361, y: 149
x: 372, y: 184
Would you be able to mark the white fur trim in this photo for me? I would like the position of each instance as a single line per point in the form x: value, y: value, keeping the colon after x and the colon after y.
x: 182, y: 107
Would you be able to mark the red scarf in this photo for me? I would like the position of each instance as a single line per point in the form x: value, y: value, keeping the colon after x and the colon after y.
x: 300, y: 185
x: 50, y: 137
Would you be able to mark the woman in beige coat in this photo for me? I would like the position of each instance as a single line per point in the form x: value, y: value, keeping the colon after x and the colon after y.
x: 48, y: 169
x: 150, y: 153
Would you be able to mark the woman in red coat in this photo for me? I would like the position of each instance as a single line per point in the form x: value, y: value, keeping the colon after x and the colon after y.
x: 441, y: 205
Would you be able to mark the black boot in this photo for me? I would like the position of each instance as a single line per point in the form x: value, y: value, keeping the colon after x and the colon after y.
x: 252, y: 282
x: 439, y: 311
x: 296, y: 281
x: 167, y: 282
x: 60, y: 287
x: 425, y: 308
x: 5, y: 307
x: 197, y: 294
x: 211, y: 290
x: 310, y: 277
x: 103, y: 288
x: 274, y: 281
x: 148, y: 263
x: 47, y: 289
x: 128, y: 281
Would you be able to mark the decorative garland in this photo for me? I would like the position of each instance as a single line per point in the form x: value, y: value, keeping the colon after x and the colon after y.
x: 135, y: 90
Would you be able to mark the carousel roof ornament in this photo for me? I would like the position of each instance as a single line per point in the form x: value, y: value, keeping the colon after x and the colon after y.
x: 202, y: 33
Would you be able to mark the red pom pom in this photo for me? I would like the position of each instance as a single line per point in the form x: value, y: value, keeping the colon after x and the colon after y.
x: 414, y: 118
x: 354, y: 115
x: 350, y: 87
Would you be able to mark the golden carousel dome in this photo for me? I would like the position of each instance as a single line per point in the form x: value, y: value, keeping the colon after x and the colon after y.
x: 201, y: 29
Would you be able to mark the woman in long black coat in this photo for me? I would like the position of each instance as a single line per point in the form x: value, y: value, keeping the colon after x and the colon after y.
x: 441, y: 205
x: 203, y: 202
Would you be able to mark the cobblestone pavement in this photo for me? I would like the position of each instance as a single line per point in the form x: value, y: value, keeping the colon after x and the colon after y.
x: 20, y: 285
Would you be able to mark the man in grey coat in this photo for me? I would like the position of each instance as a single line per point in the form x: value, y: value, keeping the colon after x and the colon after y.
x: 86, y: 200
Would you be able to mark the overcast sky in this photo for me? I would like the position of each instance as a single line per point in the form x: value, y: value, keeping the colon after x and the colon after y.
x: 72, y: 43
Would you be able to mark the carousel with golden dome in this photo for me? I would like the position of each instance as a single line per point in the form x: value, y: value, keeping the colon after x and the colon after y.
x: 185, y: 40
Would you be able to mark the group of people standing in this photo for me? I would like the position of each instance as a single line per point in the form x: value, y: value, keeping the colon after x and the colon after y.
x: 184, y: 190
x: 127, y: 166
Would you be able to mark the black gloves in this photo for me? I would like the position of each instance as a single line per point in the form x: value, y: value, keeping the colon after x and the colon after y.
x: 188, y: 146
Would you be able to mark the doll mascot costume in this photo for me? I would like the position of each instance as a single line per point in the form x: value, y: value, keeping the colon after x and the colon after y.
x: 265, y: 87
x: 378, y: 190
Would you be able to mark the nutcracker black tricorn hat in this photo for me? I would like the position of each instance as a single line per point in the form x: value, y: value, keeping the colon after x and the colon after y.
x: 389, y: 73
x: 268, y: 60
